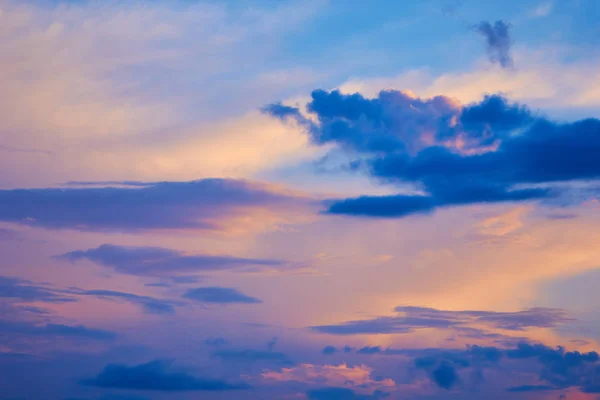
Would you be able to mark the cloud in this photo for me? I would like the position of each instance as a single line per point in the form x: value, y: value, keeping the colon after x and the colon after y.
x: 413, y: 318
x: 22, y: 290
x: 159, y: 262
x: 358, y: 376
x: 449, y: 154
x: 155, y: 376
x: 200, y: 205
x: 445, y: 376
x: 149, y: 304
x: 55, y: 330
x: 252, y: 356
x: 530, y: 388
x: 328, y: 350
x: 563, y: 368
x: 560, y: 369
x: 340, y: 393
x: 498, y: 41
x: 220, y: 295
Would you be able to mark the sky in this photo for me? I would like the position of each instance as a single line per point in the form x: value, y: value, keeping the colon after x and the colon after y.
x: 318, y: 199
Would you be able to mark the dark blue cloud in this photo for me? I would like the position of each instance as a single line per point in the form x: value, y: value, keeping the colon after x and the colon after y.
x: 159, y: 205
x: 329, y: 350
x: 485, y: 152
x: 412, y: 318
x: 54, y: 330
x: 252, y: 356
x: 22, y: 290
x: 383, y: 206
x: 337, y: 393
x: 498, y: 41
x: 445, y: 375
x: 155, y: 376
x: 562, y: 369
x: 158, y: 261
x: 220, y: 295
x: 149, y: 304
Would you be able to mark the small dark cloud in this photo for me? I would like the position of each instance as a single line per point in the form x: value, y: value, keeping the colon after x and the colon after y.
x: 383, y: 206
x: 158, y: 261
x: 220, y: 295
x: 252, y: 356
x: 445, y: 376
x: 155, y: 376
x: 329, y: 350
x: 498, y: 41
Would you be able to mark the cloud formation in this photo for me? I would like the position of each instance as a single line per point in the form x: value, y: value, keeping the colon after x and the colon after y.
x: 162, y: 262
x: 413, y: 318
x: 55, y: 330
x: 556, y: 368
x: 202, y: 204
x: 155, y: 376
x: 26, y: 291
x: 451, y: 154
x: 498, y: 41
x: 357, y: 376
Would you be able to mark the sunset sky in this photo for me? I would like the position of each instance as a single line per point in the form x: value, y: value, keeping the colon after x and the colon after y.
x: 317, y: 199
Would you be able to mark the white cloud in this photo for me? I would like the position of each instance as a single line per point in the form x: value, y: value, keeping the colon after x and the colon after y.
x: 140, y: 90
